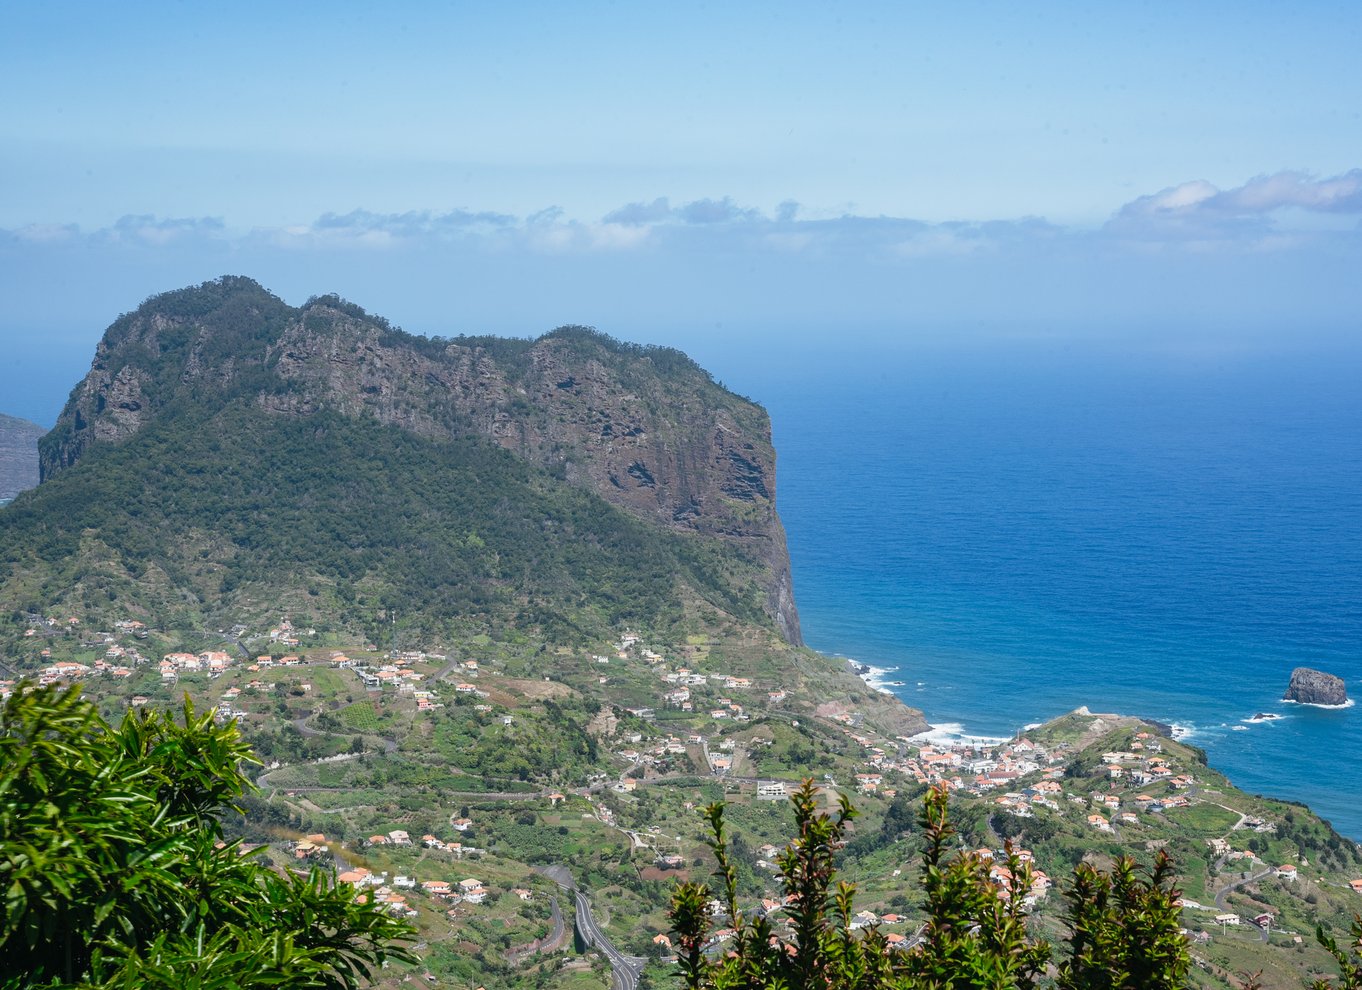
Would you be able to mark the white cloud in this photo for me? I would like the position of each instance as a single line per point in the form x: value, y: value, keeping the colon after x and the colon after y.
x: 705, y: 211
x: 1255, y: 215
x: 1265, y: 193
x: 1178, y: 199
x: 1287, y: 211
x: 635, y: 214
x: 158, y: 231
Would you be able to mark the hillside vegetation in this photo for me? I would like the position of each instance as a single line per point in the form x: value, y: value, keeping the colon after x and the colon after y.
x: 229, y: 455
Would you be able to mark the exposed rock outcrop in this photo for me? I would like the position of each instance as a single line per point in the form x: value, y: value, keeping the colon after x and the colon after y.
x: 18, y: 455
x: 643, y: 427
x: 1315, y: 687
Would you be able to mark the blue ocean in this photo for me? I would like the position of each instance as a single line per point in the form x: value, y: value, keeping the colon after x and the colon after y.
x: 1016, y: 534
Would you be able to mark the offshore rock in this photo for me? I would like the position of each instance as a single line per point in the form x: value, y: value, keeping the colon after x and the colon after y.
x: 1315, y: 687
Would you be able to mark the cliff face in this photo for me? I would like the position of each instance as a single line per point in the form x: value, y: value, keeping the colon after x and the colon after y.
x: 18, y: 455
x: 646, y: 429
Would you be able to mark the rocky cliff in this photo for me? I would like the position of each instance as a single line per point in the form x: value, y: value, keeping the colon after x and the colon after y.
x: 644, y: 428
x: 1314, y: 687
x: 18, y: 455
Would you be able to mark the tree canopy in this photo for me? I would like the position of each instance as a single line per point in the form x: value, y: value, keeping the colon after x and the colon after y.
x: 1124, y: 924
x: 115, y: 872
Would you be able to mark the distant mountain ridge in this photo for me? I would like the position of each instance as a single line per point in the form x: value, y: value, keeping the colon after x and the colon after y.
x: 18, y: 455
x: 558, y: 447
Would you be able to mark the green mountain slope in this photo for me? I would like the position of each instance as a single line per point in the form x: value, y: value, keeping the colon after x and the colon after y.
x: 229, y: 456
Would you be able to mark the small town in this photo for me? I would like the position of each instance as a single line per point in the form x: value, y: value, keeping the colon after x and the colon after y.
x: 682, y: 731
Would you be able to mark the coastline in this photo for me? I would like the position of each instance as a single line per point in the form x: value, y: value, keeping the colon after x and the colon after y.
x: 1203, y: 733
x: 874, y: 677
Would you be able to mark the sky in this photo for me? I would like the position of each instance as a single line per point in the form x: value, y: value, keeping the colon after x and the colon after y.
x: 745, y: 181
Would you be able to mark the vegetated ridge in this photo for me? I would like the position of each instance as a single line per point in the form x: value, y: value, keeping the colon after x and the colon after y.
x: 228, y: 451
x: 18, y: 455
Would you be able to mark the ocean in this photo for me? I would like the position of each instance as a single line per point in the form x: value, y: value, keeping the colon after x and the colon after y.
x: 1014, y: 534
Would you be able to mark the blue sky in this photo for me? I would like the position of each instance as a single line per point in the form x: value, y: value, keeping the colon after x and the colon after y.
x: 730, y: 179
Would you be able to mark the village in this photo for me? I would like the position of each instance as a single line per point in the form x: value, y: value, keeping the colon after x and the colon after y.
x: 679, y: 726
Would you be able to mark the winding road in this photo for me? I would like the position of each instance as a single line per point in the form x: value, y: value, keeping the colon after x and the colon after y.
x: 1224, y: 892
x: 624, y: 970
x: 549, y: 943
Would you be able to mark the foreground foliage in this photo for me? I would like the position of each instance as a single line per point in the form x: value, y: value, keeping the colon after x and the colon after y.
x: 1124, y: 924
x: 115, y: 874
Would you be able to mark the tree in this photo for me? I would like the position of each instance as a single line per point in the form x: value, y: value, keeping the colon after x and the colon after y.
x: 116, y: 875
x: 1125, y: 929
x: 1349, y: 958
x: 975, y: 937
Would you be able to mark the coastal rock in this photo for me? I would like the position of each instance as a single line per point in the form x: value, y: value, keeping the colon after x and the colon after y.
x: 1314, y: 687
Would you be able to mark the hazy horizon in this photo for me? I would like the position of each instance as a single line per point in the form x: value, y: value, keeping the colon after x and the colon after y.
x: 743, y: 184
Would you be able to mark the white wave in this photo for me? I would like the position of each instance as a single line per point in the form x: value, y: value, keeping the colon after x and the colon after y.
x: 1032, y: 725
x: 1181, y: 732
x: 874, y: 677
x: 1238, y: 728
x: 1262, y: 717
x: 954, y: 734
x: 1310, y: 704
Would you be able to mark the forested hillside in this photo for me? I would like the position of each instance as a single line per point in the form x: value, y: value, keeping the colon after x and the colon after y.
x: 229, y: 455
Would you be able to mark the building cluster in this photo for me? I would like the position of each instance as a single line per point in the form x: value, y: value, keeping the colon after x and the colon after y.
x: 211, y: 662
x: 391, y: 891
x: 381, y: 890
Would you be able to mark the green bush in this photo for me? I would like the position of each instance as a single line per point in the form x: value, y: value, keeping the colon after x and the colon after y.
x: 116, y: 875
x: 1124, y: 925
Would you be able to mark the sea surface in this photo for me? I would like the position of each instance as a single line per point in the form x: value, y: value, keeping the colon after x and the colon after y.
x: 1012, y: 535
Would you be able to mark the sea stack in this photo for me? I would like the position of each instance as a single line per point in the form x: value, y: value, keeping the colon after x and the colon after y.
x: 1314, y: 687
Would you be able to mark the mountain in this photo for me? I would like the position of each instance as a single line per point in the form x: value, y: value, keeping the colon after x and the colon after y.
x: 18, y: 455
x: 229, y: 454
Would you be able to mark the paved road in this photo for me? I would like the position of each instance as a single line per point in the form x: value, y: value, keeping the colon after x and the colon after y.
x: 624, y: 970
x: 1224, y: 892
x: 550, y: 944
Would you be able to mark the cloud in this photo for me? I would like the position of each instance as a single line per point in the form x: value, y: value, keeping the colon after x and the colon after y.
x: 1175, y: 200
x: 704, y: 211
x: 1255, y: 214
x: 1285, y: 211
x: 1266, y: 193
x: 636, y: 214
x: 157, y: 232
x: 413, y: 223
x: 698, y: 212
